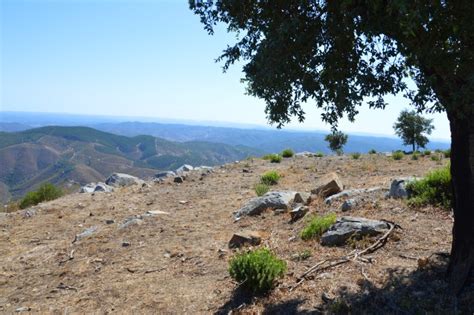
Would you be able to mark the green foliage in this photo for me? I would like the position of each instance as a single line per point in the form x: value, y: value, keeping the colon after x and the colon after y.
x: 355, y: 155
x: 435, y: 157
x: 261, y: 189
x: 45, y: 192
x: 412, y: 127
x: 257, y: 270
x: 447, y: 153
x: 287, y: 153
x: 336, y: 141
x: 274, y: 158
x: 372, y: 151
x: 319, y: 154
x: 415, y: 156
x: 317, y: 226
x: 397, y: 155
x: 270, y: 178
x: 426, y: 152
x: 434, y: 189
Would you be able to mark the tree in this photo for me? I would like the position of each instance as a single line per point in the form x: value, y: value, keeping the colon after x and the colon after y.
x: 336, y: 140
x: 341, y: 54
x: 411, y: 127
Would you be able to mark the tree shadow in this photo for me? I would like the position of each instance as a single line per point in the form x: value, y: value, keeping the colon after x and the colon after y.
x: 239, y: 299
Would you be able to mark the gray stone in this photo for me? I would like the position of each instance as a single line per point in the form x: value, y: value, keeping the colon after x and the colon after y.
x: 347, y: 227
x: 28, y: 213
x: 303, y: 197
x: 89, y: 188
x: 245, y: 238
x: 109, y: 221
x: 298, y: 213
x: 86, y: 233
x: 165, y: 174
x: 398, y: 189
x: 184, y: 168
x: 271, y: 200
x: 349, y: 204
x: 131, y: 221
x: 328, y: 185
x: 353, y: 193
x: 122, y: 180
x: 103, y: 187
x: 178, y: 179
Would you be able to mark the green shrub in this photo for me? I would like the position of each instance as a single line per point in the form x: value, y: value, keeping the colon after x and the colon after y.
x: 256, y: 270
x: 415, y: 156
x: 319, y: 154
x: 267, y: 157
x: 270, y: 178
x: 274, y: 158
x: 317, y: 226
x: 287, y: 153
x: 261, y: 189
x: 447, y: 153
x: 434, y: 189
x: 397, y: 155
x: 426, y: 152
x: 372, y: 151
x: 45, y: 192
x: 355, y: 155
x: 435, y: 157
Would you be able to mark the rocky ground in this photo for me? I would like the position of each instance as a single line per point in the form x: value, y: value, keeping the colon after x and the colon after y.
x: 101, y: 252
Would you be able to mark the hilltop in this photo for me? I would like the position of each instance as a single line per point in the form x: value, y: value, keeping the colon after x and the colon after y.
x: 163, y: 247
x: 79, y: 155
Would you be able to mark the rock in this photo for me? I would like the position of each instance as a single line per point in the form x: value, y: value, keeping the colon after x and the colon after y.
x: 349, y: 204
x: 28, y: 213
x: 86, y: 233
x: 397, y: 188
x: 103, y: 187
x: 302, y: 197
x: 165, y: 174
x: 298, y: 213
x: 156, y: 212
x: 246, y: 170
x: 328, y: 185
x: 89, y: 188
x: 271, y: 200
x: 23, y: 309
x: 347, y: 227
x: 245, y: 238
x: 184, y: 168
x: 109, y: 221
x: 207, y: 169
x: 126, y: 244
x: 352, y: 193
x: 131, y: 221
x: 178, y: 179
x: 304, y: 154
x: 122, y: 180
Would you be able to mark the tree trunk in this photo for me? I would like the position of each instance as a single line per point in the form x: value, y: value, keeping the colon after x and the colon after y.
x: 414, y: 149
x: 462, y: 170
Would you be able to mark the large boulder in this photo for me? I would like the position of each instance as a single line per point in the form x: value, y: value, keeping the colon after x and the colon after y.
x: 185, y: 168
x: 165, y: 174
x: 123, y: 180
x: 398, y: 189
x: 353, y: 193
x: 271, y: 200
x: 328, y: 185
x: 347, y: 227
x: 96, y: 187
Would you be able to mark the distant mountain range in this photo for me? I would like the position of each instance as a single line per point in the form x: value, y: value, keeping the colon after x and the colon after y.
x: 82, y: 155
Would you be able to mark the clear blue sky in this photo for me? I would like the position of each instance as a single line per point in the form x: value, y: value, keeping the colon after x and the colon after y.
x: 136, y: 58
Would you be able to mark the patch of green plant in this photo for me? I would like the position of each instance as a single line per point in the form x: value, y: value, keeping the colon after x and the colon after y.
x: 434, y: 188
x: 45, y: 192
x: 270, y: 178
x: 435, y: 157
x: 355, y: 155
x: 319, y: 154
x: 317, y: 226
x: 447, y: 153
x: 372, y: 151
x: 261, y: 189
x: 287, y: 153
x: 397, y: 155
x: 415, y: 156
x: 257, y: 270
x: 303, y: 255
x: 426, y: 152
x: 274, y: 158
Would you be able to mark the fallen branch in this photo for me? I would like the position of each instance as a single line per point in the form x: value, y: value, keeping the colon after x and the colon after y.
x: 352, y: 256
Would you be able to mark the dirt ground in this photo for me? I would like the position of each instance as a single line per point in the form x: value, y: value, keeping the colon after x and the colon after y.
x: 177, y: 262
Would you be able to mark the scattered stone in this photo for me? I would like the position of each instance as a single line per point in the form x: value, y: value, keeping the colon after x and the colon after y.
x: 183, y: 202
x: 271, y: 200
x: 302, y: 197
x: 328, y: 185
x: 397, y: 188
x: 352, y: 193
x: 156, y: 212
x: 122, y: 180
x: 347, y: 227
x: 103, y: 187
x: 89, y: 188
x: 245, y: 238
x: 246, y: 170
x: 165, y: 174
x: 86, y: 233
x: 23, y: 309
x: 298, y: 213
x: 279, y: 211
x: 349, y: 204
x: 184, y: 168
x: 179, y: 179
x: 109, y: 221
x: 126, y: 244
x: 28, y: 213
x: 131, y: 221
x: 304, y: 154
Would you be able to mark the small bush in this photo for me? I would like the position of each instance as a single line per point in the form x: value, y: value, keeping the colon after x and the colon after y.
x: 426, y: 152
x: 372, y: 151
x: 355, y: 155
x: 45, y: 192
x: 270, y: 178
x: 261, y: 189
x: 435, y: 158
x: 434, y: 189
x: 447, y: 153
x: 287, y: 153
x: 319, y: 154
x: 274, y: 158
x: 256, y: 270
x: 317, y: 226
x: 397, y: 155
x: 267, y: 157
x: 415, y: 156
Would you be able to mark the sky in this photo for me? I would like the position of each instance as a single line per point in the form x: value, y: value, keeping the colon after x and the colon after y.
x: 146, y: 58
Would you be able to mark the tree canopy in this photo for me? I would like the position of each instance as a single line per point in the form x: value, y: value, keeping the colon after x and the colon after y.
x: 412, y: 127
x: 336, y: 141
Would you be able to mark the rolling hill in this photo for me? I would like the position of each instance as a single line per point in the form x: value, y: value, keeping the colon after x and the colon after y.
x: 78, y: 155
